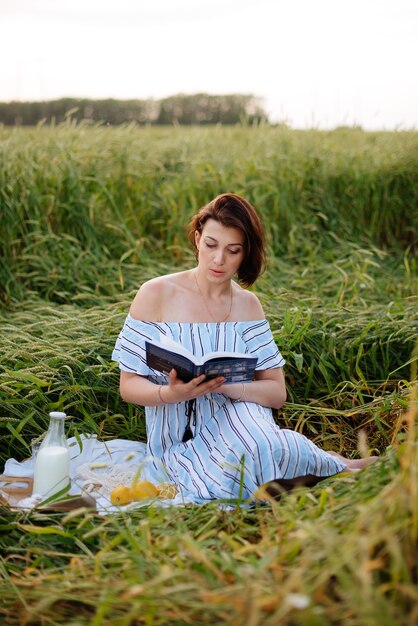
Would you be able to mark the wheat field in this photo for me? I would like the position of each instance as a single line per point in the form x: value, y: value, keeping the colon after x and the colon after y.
x: 87, y: 213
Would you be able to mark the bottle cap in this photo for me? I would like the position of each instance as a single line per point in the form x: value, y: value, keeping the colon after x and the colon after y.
x: 58, y: 415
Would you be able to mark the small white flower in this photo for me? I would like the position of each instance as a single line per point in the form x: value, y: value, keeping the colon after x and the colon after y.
x: 297, y: 600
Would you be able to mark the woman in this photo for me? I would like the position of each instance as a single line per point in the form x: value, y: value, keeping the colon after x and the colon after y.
x: 216, y: 440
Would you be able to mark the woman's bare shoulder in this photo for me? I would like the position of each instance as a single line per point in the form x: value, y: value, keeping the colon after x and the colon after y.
x: 248, y: 305
x: 151, y: 297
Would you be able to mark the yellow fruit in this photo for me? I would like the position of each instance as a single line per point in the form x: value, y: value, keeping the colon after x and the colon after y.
x: 167, y: 491
x: 143, y: 489
x: 121, y: 495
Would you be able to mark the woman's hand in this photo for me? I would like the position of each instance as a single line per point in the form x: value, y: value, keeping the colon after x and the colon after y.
x: 179, y: 391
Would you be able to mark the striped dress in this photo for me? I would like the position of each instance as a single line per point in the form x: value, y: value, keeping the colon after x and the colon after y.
x: 236, y: 446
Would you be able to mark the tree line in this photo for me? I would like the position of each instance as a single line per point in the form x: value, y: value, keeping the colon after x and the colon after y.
x: 201, y: 108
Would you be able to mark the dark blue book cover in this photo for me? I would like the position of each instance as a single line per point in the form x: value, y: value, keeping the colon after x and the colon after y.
x: 235, y: 367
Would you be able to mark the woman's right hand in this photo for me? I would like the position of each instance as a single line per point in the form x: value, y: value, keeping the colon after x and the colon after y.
x: 179, y: 391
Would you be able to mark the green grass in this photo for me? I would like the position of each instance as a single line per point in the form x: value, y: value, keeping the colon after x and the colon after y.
x: 347, y: 549
x: 88, y: 214
x: 76, y: 199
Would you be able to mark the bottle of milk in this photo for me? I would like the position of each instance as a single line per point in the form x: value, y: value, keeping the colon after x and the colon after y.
x: 52, y: 465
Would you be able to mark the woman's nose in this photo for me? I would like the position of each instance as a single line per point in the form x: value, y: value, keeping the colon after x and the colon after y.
x: 219, y: 257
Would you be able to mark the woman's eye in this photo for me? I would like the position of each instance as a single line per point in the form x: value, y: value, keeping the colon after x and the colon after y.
x: 211, y: 245
x: 234, y: 251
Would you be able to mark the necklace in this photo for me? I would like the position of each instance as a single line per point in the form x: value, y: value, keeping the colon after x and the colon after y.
x: 205, y: 303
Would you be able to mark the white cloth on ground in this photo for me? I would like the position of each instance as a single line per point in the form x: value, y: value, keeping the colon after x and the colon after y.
x: 104, y: 463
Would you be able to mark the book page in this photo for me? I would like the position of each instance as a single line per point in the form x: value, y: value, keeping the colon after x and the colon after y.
x: 170, y: 344
x: 175, y: 346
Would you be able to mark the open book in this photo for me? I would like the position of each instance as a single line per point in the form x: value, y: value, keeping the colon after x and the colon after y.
x: 166, y: 354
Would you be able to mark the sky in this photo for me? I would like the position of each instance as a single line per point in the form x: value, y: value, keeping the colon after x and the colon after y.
x: 312, y: 63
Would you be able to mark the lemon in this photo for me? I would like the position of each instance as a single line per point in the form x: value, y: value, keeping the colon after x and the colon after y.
x: 143, y: 489
x: 121, y: 495
x: 167, y: 491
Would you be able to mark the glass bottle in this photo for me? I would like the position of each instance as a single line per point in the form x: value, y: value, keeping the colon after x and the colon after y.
x: 52, y: 465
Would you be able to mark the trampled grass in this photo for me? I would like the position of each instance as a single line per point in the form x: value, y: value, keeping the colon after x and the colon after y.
x: 86, y: 215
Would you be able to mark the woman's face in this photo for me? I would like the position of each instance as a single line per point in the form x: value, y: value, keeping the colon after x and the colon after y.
x: 221, y: 250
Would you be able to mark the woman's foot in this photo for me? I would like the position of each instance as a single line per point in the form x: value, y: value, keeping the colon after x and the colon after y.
x: 275, y: 488
x: 354, y: 465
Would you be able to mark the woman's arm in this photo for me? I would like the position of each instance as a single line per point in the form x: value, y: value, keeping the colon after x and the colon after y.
x: 139, y: 390
x: 268, y: 389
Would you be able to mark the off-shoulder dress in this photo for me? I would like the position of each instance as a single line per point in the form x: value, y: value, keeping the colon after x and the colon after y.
x: 236, y: 446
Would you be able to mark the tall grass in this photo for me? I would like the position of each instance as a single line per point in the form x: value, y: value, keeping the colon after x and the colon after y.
x: 74, y: 200
x: 88, y: 214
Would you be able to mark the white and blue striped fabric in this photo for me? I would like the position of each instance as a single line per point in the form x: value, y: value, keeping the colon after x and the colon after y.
x: 236, y: 446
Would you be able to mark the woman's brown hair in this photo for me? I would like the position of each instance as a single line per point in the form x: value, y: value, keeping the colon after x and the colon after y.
x: 233, y: 211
